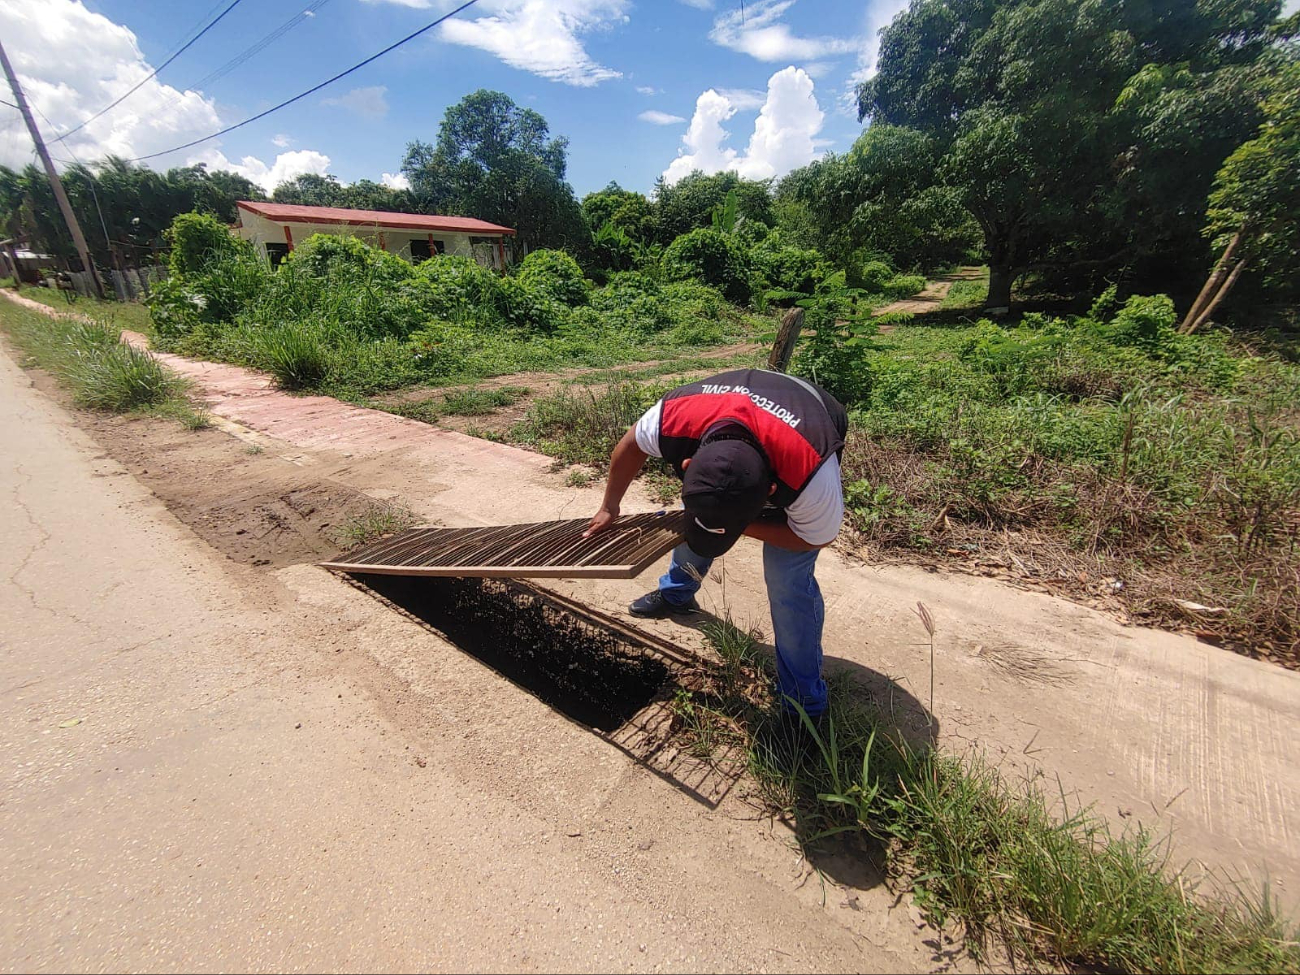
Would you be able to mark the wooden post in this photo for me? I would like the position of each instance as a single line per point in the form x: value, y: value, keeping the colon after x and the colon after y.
x: 1214, y: 302
x: 1212, y: 284
x: 786, y: 337
x: 60, y: 197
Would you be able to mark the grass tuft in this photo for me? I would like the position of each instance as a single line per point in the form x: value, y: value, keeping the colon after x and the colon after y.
x: 1026, y: 873
x: 374, y: 522
x: 101, y: 371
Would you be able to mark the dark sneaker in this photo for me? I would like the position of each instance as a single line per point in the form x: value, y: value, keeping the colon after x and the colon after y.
x: 653, y: 606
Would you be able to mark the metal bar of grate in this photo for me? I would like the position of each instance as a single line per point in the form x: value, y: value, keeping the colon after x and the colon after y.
x: 549, y: 549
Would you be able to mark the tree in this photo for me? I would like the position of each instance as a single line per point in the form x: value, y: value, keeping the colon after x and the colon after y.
x: 1023, y: 101
x: 882, y: 197
x: 311, y: 189
x: 689, y: 203
x: 627, y: 210
x: 496, y: 161
x: 124, y: 208
x: 1256, y: 200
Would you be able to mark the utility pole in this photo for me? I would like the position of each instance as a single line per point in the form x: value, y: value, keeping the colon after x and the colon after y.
x: 70, y: 218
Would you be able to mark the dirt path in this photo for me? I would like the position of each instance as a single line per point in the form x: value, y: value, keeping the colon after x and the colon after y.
x: 931, y: 299
x: 541, y: 384
x: 215, y: 764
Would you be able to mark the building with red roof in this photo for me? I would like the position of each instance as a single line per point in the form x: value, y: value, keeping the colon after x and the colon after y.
x: 275, y: 227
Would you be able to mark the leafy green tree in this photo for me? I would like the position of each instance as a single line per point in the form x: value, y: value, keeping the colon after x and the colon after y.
x: 884, y: 196
x: 1023, y: 101
x: 691, y: 202
x: 311, y: 189
x: 123, y: 209
x: 1257, y: 194
x: 496, y: 161
x: 627, y: 210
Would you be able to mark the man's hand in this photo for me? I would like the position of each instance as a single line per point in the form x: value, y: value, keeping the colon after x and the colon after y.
x: 624, y: 465
x: 604, y: 519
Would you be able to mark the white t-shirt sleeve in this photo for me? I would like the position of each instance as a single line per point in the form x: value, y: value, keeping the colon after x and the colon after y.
x: 647, y: 430
x: 815, y: 515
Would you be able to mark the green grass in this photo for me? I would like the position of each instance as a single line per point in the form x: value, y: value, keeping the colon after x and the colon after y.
x: 125, y: 315
x: 100, y: 371
x: 967, y: 295
x: 1093, y: 450
x: 479, y: 402
x: 582, y: 425
x: 372, y: 523
x: 1023, y: 871
x: 578, y: 477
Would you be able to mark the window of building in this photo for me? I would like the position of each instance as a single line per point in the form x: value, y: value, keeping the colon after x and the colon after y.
x: 277, y: 253
x: 421, y: 251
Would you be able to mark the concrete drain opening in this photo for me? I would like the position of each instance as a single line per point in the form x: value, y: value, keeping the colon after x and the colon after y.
x: 588, y: 666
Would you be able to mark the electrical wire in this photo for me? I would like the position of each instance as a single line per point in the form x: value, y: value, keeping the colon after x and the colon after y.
x: 261, y: 45
x: 152, y: 74
x: 309, y: 91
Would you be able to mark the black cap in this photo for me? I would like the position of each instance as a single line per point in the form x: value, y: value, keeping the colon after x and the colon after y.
x: 725, y: 486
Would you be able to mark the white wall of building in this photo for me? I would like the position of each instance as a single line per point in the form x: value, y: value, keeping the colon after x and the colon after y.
x: 263, y: 230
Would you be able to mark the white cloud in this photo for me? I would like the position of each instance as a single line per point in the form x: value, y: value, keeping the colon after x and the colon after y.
x: 660, y: 118
x: 704, y: 138
x: 366, y: 102
x: 395, y: 181
x: 785, y: 130
x: 818, y: 69
x: 647, y: 90
x: 541, y: 36
x: 784, y: 136
x: 281, y: 141
x: 757, y: 30
x: 287, y: 165
x: 72, y: 63
x: 708, y: 4
x: 744, y: 99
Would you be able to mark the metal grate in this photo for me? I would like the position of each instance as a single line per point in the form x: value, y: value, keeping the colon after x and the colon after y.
x: 549, y: 549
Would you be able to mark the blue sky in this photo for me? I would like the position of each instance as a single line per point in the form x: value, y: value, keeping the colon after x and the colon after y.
x: 759, y: 91
x: 591, y: 67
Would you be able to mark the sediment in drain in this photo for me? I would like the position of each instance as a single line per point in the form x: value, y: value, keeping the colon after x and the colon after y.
x: 581, y: 668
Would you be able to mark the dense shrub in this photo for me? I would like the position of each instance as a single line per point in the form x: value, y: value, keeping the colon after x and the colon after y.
x: 1145, y: 321
x: 198, y: 241
x: 712, y: 258
x: 904, y: 285
x: 458, y: 289
x: 529, y: 309
x: 875, y: 275
x: 555, y: 274
x: 327, y: 255
x: 786, y: 267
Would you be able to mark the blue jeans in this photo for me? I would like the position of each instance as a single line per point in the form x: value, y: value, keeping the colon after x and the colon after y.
x: 798, y: 613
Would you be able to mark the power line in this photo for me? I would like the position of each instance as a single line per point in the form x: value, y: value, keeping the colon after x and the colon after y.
x: 309, y: 91
x: 152, y: 74
x: 261, y: 45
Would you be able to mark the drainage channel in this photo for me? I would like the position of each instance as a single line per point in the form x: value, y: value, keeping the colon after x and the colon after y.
x: 588, y: 666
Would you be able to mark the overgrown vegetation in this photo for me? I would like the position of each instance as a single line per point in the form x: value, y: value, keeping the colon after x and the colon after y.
x: 1105, y: 452
x: 101, y: 371
x: 1023, y: 872
x: 342, y: 317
